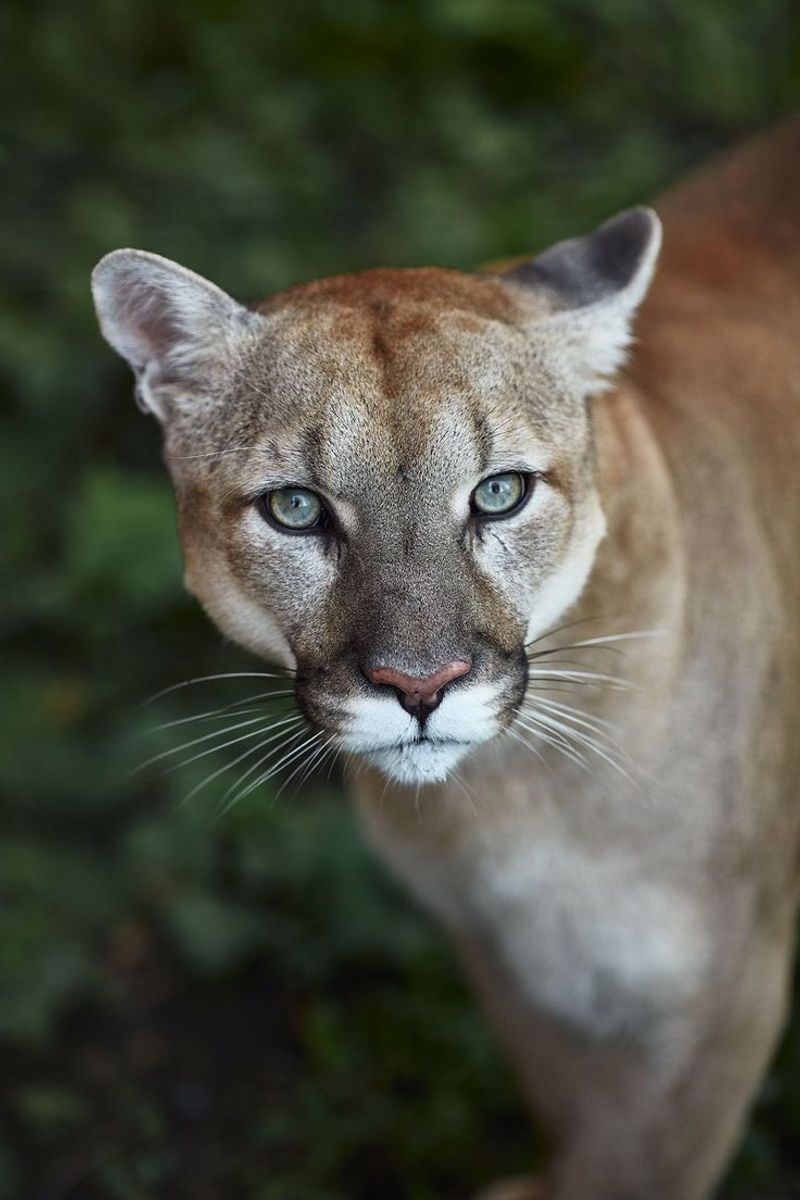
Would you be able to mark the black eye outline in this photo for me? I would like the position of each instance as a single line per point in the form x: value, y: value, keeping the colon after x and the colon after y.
x: 528, y: 479
x: 320, y: 525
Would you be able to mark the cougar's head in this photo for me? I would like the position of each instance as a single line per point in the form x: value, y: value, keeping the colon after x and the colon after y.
x: 386, y: 480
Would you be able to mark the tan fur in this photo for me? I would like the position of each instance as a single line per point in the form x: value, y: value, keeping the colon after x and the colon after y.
x: 630, y: 937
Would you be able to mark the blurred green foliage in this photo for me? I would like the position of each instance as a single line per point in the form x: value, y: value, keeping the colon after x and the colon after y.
x: 193, y: 1007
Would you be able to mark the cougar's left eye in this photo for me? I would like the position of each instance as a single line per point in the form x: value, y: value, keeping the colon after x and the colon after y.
x: 294, y: 508
x: 499, y: 495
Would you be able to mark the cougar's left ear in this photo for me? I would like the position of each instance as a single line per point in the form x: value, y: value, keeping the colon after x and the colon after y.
x: 591, y: 287
x: 180, y: 333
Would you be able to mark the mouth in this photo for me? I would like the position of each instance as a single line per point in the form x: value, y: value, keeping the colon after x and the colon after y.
x: 422, y: 740
x: 424, y: 760
x: 373, y: 727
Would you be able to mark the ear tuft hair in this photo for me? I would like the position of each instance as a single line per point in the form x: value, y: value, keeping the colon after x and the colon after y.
x: 591, y: 287
x: 173, y: 327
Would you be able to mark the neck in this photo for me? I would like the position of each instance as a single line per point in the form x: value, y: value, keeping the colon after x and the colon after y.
x: 638, y: 574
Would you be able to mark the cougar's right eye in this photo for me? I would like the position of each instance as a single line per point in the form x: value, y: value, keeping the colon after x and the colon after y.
x: 295, y: 509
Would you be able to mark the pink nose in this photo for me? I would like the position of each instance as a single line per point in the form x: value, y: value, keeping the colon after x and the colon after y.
x: 416, y: 692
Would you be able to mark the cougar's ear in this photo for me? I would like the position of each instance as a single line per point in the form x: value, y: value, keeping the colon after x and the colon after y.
x: 590, y: 287
x: 179, y: 332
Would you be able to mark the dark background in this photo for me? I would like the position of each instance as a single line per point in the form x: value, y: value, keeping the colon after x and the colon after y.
x: 203, y: 1007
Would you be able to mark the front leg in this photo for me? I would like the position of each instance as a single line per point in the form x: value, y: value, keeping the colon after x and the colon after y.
x: 653, y: 1114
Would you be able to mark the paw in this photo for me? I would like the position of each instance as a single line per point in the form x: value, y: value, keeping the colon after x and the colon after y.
x: 513, y: 1189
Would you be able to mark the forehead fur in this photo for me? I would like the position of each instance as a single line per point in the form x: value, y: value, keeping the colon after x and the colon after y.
x: 424, y: 288
x: 379, y: 363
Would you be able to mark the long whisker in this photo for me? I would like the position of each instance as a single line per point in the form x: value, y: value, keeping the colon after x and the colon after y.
x: 287, y: 759
x: 605, y: 744
x: 290, y: 738
x: 328, y: 756
x: 597, y: 677
x: 529, y: 746
x: 212, y: 453
x: 599, y: 643
x: 557, y: 741
x: 175, y: 687
x: 223, y: 710
x: 331, y: 754
x: 602, y: 729
x: 306, y: 767
x: 577, y: 714
x: 582, y: 739
x: 632, y: 635
x: 468, y: 791
x: 217, y: 748
x: 559, y: 726
x: 215, y: 733
x: 569, y: 625
x: 332, y: 762
x: 292, y: 720
x: 268, y: 774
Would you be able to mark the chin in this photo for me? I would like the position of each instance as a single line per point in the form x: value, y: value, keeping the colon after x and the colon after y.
x: 418, y: 762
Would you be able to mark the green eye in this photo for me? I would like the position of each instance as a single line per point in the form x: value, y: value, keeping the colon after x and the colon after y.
x: 295, y: 508
x: 499, y: 494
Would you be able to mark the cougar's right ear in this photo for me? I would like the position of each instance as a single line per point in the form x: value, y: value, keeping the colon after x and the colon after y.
x: 179, y: 332
x: 589, y: 288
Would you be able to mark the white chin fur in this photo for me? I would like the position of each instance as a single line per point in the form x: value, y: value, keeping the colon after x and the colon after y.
x: 381, y: 732
x: 417, y: 762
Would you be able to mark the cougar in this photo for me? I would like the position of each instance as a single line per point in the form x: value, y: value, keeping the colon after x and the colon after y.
x: 546, y: 604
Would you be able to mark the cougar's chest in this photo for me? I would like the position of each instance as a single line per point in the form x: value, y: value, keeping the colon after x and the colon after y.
x: 587, y: 937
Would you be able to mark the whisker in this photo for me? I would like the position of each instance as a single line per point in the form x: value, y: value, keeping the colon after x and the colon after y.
x: 569, y: 646
x: 583, y: 739
x: 569, y: 625
x: 215, y: 733
x: 529, y: 746
x: 266, y: 775
x: 601, y: 728
x: 561, y: 745
x: 223, y: 710
x: 212, y: 453
x: 597, y: 723
x: 387, y: 783
x: 596, y: 677
x: 185, y: 762
x: 607, y: 743
x: 468, y: 791
x: 294, y: 719
x: 599, y: 643
x: 305, y: 767
x: 225, y: 675
x: 290, y: 738
x: 332, y: 762
x: 620, y: 637
x: 558, y: 725
x: 557, y: 741
x: 329, y: 756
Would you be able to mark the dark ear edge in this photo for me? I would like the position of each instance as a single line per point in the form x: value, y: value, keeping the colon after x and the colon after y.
x: 587, y: 270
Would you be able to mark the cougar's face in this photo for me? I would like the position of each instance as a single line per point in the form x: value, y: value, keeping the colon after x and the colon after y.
x: 385, y: 480
x: 402, y: 500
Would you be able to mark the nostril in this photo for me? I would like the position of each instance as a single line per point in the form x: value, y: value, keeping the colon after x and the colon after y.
x: 418, y: 692
x: 408, y: 702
